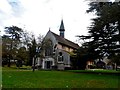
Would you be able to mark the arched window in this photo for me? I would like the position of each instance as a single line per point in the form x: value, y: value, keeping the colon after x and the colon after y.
x: 49, y: 48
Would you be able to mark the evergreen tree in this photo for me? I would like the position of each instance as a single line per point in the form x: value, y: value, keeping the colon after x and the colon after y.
x: 32, y: 51
x: 13, y: 35
x: 104, y: 32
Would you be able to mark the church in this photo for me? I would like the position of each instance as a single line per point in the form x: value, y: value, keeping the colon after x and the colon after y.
x: 56, y: 53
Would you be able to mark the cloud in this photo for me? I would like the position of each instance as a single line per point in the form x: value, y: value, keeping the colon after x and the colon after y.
x: 46, y: 1
x: 5, y: 7
x: 38, y: 15
x: 10, y: 12
x: 16, y: 7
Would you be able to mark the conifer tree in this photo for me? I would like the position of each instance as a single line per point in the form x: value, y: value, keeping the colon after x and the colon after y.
x: 104, y: 32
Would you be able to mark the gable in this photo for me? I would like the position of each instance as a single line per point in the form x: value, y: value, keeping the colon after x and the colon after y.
x: 56, y: 39
x: 50, y: 36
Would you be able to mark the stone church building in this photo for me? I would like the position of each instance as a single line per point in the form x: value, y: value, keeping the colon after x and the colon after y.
x: 56, y: 55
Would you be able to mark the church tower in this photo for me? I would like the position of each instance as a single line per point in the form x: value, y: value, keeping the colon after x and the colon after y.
x: 62, y: 29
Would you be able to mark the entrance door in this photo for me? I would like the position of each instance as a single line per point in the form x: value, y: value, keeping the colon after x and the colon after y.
x: 48, y: 64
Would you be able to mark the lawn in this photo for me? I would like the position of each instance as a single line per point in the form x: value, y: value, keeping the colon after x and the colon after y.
x: 21, y: 78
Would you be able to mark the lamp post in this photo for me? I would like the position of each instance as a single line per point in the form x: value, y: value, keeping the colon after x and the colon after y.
x: 34, y: 58
x: 8, y: 56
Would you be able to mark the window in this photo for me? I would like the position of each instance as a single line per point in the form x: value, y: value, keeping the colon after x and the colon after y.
x: 60, y: 57
x: 49, y: 48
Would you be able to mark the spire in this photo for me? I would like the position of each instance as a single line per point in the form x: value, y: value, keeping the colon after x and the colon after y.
x: 62, y: 26
x: 62, y: 29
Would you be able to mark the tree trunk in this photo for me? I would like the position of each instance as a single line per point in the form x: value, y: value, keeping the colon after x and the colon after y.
x: 34, y: 59
x: 8, y: 62
x: 116, y: 66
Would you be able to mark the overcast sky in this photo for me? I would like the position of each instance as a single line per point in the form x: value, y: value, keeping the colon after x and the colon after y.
x: 38, y: 16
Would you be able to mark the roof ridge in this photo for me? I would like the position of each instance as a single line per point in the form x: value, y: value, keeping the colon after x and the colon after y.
x: 62, y: 37
x: 65, y: 41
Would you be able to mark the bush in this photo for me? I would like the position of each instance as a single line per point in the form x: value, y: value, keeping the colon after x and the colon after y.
x: 19, y: 63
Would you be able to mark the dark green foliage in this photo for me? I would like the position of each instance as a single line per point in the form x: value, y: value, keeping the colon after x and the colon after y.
x: 22, y: 55
x: 11, y: 41
x: 82, y: 56
x: 32, y: 51
x: 14, y: 32
x: 20, y: 45
x: 104, y: 32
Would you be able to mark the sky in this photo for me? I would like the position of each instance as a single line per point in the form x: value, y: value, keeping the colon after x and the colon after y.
x: 38, y: 16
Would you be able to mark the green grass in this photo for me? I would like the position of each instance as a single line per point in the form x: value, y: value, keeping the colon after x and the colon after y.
x: 96, y: 71
x: 21, y: 78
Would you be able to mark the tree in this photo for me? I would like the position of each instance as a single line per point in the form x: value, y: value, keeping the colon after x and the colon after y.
x: 81, y: 58
x: 32, y: 51
x: 0, y: 50
x: 11, y: 41
x: 27, y: 38
x: 6, y: 50
x: 40, y: 44
x: 22, y: 56
x: 14, y: 33
x: 20, y: 45
x: 40, y: 39
x: 104, y: 32
x: 6, y: 41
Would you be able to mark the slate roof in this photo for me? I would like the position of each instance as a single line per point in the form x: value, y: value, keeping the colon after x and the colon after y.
x: 65, y: 42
